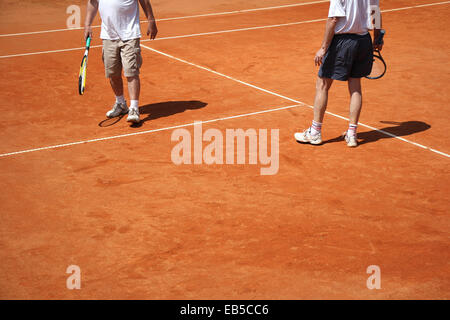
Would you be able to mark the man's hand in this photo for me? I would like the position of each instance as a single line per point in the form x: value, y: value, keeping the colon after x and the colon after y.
x: 87, y: 32
x: 152, y: 30
x: 377, y: 34
x: 328, y: 37
x: 319, y: 56
x: 378, y: 47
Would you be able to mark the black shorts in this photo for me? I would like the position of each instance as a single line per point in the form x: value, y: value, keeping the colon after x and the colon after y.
x: 349, y: 56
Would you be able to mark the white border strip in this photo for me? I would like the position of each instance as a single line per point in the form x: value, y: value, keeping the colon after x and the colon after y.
x: 292, y: 100
x: 214, y: 32
x: 179, y: 18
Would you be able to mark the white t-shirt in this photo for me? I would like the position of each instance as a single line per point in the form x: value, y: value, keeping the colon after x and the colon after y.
x: 120, y: 19
x: 355, y: 15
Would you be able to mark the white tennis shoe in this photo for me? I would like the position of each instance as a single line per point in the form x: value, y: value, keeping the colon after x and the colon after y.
x: 133, y: 115
x: 352, y: 141
x: 307, y: 137
x: 117, y: 110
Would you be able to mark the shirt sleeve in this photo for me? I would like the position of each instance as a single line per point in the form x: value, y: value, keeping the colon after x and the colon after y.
x: 375, y: 3
x: 336, y: 9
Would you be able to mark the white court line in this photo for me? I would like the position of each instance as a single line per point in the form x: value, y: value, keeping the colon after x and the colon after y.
x: 417, y: 6
x: 292, y: 100
x: 45, y: 52
x: 178, y: 18
x: 171, y: 37
x: 236, y: 30
x: 144, y: 132
x: 218, y: 14
x: 298, y: 104
x: 215, y: 32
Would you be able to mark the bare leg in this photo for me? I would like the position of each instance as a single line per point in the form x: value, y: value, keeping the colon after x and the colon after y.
x: 320, y: 105
x: 117, y: 85
x: 354, y: 87
x: 134, y: 87
x: 321, y: 100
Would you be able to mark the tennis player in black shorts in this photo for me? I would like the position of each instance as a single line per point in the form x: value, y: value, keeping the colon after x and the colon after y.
x: 346, y: 54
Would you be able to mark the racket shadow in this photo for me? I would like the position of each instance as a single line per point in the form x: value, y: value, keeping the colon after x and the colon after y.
x: 110, y: 121
x: 166, y: 109
x: 400, y: 129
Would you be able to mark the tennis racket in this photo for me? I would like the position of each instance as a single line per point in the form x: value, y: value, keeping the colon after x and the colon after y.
x: 82, y: 75
x: 379, y: 67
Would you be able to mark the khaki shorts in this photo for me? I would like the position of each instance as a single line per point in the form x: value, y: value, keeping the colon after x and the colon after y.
x: 118, y: 54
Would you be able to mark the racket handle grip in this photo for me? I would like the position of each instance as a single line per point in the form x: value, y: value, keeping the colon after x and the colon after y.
x: 88, y: 42
x: 379, y: 40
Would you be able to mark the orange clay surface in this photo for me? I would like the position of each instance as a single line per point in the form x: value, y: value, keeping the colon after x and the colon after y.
x: 141, y: 227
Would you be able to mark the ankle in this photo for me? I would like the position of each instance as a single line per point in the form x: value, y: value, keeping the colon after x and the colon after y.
x: 316, y: 128
x: 120, y: 99
x: 134, y: 104
x: 351, y: 132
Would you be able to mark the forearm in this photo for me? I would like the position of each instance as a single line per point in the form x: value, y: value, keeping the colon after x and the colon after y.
x: 92, y: 8
x: 329, y: 33
x: 148, y: 10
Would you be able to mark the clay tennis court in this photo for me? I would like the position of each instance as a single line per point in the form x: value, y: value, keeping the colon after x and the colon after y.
x: 78, y: 190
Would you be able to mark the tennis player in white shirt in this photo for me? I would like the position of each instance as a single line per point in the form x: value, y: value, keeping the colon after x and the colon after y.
x: 346, y: 54
x: 121, y: 33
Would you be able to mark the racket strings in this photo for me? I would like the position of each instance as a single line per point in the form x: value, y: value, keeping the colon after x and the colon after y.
x: 378, y: 68
x: 82, y: 76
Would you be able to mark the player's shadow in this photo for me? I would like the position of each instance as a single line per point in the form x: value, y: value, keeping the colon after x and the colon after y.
x: 158, y: 110
x: 400, y: 129
x: 166, y: 109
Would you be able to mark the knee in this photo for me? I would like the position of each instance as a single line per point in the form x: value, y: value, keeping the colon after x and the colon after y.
x: 322, y: 85
x: 115, y: 79
x: 354, y: 85
x: 133, y: 78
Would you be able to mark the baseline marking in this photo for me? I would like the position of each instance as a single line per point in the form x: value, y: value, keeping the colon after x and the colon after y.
x: 300, y: 103
x: 144, y: 132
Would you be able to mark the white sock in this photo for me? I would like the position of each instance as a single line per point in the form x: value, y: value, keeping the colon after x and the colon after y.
x: 316, y: 128
x: 352, y: 130
x: 120, y: 99
x: 134, y: 104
